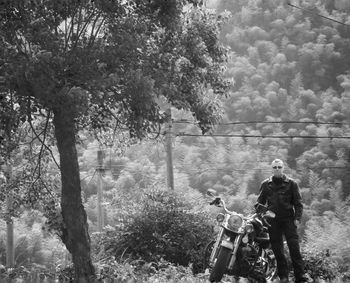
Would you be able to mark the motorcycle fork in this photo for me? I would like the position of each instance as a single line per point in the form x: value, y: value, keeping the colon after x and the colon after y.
x: 260, y: 258
x: 236, y: 244
x: 216, y: 246
x: 262, y: 254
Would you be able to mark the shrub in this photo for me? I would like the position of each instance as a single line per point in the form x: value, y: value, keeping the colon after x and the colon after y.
x: 33, y: 247
x: 165, y: 228
x: 318, y: 265
x: 140, y: 271
x: 321, y: 266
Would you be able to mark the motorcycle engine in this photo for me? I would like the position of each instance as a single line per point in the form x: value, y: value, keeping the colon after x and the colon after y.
x: 247, y: 255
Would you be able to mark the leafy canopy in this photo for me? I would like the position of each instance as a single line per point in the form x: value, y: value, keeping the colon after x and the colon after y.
x: 111, y: 59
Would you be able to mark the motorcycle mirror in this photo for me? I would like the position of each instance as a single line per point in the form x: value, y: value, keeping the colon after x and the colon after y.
x: 211, y: 192
x: 270, y: 214
x: 217, y: 202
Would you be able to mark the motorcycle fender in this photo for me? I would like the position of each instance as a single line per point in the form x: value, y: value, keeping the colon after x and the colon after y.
x: 227, y: 244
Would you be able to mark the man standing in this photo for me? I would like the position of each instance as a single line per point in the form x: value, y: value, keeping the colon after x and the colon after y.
x: 282, y: 196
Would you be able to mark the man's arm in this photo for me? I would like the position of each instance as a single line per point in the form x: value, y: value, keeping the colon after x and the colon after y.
x: 297, y: 201
x: 262, y: 195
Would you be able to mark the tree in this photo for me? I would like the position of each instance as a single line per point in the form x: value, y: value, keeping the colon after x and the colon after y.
x: 87, y: 64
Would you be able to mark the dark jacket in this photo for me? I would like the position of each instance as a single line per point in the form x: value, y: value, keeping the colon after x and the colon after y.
x: 284, y: 199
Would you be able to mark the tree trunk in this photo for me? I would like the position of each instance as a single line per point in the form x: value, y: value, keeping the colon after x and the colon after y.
x: 75, y: 228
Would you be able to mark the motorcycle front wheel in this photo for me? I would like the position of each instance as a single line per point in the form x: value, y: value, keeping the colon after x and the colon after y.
x: 207, y: 253
x: 220, y: 265
x: 270, y: 267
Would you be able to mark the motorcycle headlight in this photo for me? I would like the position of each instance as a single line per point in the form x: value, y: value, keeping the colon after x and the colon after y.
x: 234, y: 222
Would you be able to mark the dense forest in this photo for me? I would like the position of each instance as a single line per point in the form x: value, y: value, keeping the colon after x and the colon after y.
x: 289, y: 98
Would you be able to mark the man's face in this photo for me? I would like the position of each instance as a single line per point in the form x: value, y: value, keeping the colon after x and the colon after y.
x: 277, y: 168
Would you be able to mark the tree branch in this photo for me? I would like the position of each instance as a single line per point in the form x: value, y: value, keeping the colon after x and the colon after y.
x: 92, y: 34
x: 43, y: 141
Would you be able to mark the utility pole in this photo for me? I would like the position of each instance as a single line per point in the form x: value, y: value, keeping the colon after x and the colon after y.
x: 6, y: 179
x: 100, y: 169
x: 10, y: 250
x: 169, y: 151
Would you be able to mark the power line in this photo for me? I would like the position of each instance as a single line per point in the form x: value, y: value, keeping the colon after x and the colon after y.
x: 316, y: 14
x: 180, y: 170
x: 208, y: 163
x: 267, y: 169
x: 249, y: 171
x: 262, y: 122
x: 262, y: 136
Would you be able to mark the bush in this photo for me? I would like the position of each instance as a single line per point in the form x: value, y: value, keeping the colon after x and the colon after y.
x: 140, y: 271
x: 318, y: 265
x: 321, y: 266
x: 32, y: 246
x: 165, y: 228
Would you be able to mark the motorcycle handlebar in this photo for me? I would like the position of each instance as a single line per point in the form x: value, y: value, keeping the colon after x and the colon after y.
x: 261, y: 210
x: 220, y: 202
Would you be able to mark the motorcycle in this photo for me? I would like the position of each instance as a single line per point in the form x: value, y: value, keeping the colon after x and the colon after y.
x: 242, y: 245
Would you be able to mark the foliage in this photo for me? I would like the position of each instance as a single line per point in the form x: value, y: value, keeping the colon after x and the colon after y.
x: 143, y: 271
x: 104, y: 65
x: 31, y: 174
x: 37, y: 273
x: 33, y: 246
x: 284, y: 69
x: 128, y: 56
x: 286, y: 65
x: 9, y: 125
x: 165, y: 226
x: 318, y: 236
x: 320, y: 266
x: 111, y: 269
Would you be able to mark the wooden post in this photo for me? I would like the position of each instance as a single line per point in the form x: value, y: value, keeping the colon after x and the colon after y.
x: 10, y: 250
x: 100, y: 220
x: 169, y: 151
